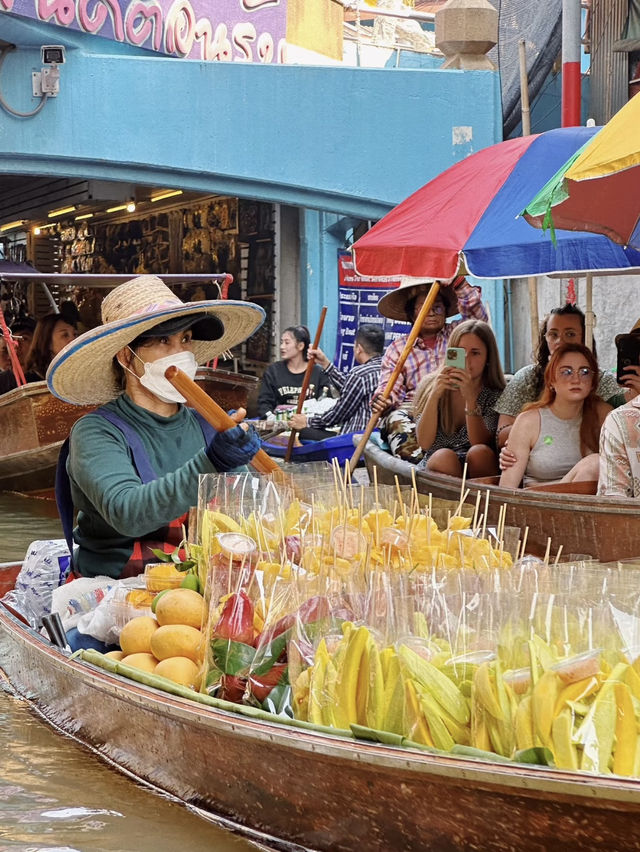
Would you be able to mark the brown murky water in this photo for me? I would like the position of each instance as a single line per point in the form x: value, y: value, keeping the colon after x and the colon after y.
x: 56, y: 796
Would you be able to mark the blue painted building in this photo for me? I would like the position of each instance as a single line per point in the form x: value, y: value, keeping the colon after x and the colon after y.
x: 330, y: 147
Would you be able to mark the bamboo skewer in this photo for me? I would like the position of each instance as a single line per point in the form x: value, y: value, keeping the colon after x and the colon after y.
x: 386, y: 393
x: 557, y: 559
x: 305, y: 383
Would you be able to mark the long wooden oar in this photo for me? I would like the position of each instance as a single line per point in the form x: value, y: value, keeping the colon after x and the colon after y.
x: 305, y: 383
x: 213, y: 413
x: 386, y: 393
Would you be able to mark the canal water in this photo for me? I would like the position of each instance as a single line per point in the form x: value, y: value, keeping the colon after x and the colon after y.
x: 57, y: 796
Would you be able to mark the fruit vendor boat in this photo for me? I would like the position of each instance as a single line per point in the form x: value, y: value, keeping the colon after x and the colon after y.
x: 607, y: 529
x: 295, y: 786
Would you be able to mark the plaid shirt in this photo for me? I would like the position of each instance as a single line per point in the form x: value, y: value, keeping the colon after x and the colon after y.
x: 620, y: 452
x: 352, y: 411
x: 423, y: 360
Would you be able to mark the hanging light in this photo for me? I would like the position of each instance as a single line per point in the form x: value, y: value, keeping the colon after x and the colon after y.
x: 61, y: 211
x: 83, y: 216
x: 169, y: 193
x: 11, y: 226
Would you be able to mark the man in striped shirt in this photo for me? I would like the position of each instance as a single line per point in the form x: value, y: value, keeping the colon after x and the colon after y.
x: 397, y: 426
x: 352, y: 410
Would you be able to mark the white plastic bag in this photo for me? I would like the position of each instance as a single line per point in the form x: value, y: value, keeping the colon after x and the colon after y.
x: 105, y: 621
x: 82, y: 595
x: 45, y: 567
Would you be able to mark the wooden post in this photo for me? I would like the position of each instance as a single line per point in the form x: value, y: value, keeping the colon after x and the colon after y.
x: 305, y: 382
x: 413, y: 334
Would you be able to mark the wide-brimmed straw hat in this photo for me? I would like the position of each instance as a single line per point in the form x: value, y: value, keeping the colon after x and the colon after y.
x: 394, y: 304
x: 83, y: 373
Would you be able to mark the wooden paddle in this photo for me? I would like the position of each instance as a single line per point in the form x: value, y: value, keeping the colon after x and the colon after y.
x: 305, y: 383
x: 213, y: 413
x: 415, y: 331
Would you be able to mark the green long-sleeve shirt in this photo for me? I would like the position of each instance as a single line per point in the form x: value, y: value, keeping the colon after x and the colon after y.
x: 114, y: 507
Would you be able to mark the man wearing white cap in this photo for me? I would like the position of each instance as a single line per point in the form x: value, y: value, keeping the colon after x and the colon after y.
x: 404, y: 303
x: 133, y: 465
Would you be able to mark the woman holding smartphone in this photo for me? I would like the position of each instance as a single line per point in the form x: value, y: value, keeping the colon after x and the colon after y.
x: 556, y: 438
x: 457, y: 423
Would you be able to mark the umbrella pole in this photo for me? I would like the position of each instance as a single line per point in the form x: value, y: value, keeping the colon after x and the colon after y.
x: 386, y: 393
x: 588, y: 319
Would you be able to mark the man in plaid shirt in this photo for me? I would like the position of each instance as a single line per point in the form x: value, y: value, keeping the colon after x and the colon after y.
x: 429, y: 350
x: 352, y: 410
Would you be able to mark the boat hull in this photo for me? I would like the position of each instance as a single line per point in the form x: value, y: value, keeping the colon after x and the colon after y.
x: 607, y: 529
x: 302, y: 788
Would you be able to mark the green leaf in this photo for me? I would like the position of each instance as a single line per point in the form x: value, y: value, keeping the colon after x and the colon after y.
x: 278, y: 701
x: 160, y: 555
x: 232, y: 658
x: 376, y: 736
x: 539, y: 756
x: 270, y: 653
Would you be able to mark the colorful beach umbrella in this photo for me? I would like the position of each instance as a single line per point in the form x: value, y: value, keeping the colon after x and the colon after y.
x: 598, y: 189
x: 467, y: 218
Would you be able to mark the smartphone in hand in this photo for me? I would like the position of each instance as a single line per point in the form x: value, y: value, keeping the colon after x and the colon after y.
x: 456, y: 357
x: 628, y: 346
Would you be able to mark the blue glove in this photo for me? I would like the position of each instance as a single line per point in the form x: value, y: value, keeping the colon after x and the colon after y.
x: 233, y: 448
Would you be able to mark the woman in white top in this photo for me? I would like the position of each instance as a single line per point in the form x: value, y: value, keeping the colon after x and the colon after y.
x: 553, y: 437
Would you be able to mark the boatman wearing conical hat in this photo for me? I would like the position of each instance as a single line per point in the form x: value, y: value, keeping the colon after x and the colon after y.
x: 133, y: 464
x: 404, y: 303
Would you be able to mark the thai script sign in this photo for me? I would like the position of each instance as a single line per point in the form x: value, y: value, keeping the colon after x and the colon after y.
x: 223, y: 30
x: 358, y: 302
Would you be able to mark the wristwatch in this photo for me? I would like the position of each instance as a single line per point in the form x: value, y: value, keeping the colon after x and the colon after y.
x: 473, y: 412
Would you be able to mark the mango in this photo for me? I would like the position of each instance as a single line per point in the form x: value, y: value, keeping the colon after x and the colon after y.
x: 115, y: 655
x: 135, y: 636
x: 177, y: 640
x: 181, y: 606
x: 179, y: 669
x: 145, y: 662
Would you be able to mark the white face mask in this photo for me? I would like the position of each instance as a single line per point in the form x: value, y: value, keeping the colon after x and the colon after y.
x: 153, y: 378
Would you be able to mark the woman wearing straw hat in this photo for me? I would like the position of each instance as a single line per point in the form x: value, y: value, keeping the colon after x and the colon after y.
x: 404, y: 303
x: 133, y: 465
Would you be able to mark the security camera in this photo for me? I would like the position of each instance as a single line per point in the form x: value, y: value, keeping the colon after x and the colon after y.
x: 52, y: 54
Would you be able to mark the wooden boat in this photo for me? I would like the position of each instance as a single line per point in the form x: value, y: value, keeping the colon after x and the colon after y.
x: 294, y: 788
x: 607, y: 529
x: 34, y: 424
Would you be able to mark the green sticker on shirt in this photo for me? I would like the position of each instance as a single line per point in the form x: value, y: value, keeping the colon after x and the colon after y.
x: 548, y: 440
